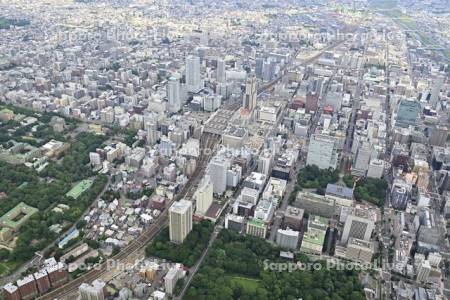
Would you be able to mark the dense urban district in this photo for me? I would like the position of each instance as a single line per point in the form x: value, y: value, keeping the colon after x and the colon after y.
x: 216, y: 150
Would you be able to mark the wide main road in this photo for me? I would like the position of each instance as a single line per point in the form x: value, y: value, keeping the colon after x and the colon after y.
x: 122, y: 258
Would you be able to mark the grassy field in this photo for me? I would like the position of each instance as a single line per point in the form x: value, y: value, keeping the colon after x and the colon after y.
x: 248, y: 284
x: 6, y: 267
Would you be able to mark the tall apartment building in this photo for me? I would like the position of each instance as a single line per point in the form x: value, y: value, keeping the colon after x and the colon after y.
x: 220, y: 71
x: 438, y: 83
x: 96, y: 291
x: 171, y: 278
x: 249, y: 98
x: 152, y: 133
x: 322, y: 151
x: 217, y: 170
x: 423, y: 271
x: 193, y: 76
x: 173, y: 94
x: 204, y: 195
x: 180, y: 220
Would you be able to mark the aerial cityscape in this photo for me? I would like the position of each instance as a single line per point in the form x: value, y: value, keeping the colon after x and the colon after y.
x: 216, y: 150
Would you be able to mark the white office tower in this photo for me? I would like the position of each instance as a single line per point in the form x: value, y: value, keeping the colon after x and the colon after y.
x: 423, y: 271
x: 249, y: 98
x: 287, y: 239
x: 322, y: 151
x: 265, y: 162
x: 204, y: 195
x: 220, y: 71
x: 362, y: 159
x: 376, y: 168
x: 193, y: 78
x: 435, y: 259
x: 180, y: 220
x: 92, y: 292
x: 173, y: 94
x: 436, y: 91
x: 152, y: 133
x: 218, y: 172
x: 358, y: 225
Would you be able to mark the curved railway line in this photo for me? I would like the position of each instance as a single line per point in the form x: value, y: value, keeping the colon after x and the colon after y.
x: 207, y: 143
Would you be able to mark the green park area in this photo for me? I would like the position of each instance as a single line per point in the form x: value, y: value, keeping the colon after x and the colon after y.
x: 236, y: 268
x: 61, y: 182
x: 80, y: 188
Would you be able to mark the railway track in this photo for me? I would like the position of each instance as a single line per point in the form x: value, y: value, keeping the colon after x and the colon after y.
x: 207, y: 143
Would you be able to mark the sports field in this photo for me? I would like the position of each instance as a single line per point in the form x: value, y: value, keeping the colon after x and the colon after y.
x: 246, y: 283
x: 79, y: 188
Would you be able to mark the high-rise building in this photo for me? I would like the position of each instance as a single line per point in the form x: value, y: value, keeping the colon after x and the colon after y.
x: 265, y: 162
x: 96, y: 291
x: 322, y: 151
x: 423, y: 271
x: 259, y: 62
x: 434, y: 98
x: 314, y: 237
x: 180, y: 220
x: 173, y: 94
x: 358, y: 225
x: 249, y: 99
x: 220, y: 71
x: 376, y: 168
x: 217, y: 170
x: 362, y: 159
x: 152, y: 133
x: 193, y: 76
x: 287, y: 239
x: 204, y: 195
x: 171, y: 278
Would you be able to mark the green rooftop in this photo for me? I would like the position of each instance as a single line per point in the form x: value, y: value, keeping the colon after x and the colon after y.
x: 314, y: 236
x: 256, y: 222
x: 80, y: 188
x: 17, y: 216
